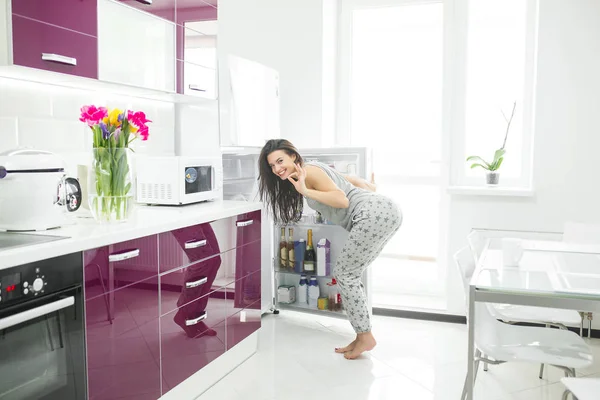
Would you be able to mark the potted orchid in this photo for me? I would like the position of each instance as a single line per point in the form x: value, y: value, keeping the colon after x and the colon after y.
x: 109, y: 191
x: 492, y: 174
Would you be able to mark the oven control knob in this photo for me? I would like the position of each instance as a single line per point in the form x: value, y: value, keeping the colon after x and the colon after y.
x: 38, y: 284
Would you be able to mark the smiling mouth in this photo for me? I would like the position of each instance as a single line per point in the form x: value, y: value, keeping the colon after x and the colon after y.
x: 281, y: 173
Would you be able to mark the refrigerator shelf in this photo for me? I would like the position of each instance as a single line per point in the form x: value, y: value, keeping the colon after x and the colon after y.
x: 231, y: 181
x: 283, y: 271
x: 307, y: 308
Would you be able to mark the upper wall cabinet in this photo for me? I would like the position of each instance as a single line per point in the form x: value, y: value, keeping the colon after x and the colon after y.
x: 161, y: 8
x: 58, y: 35
x: 135, y: 48
x: 196, y: 48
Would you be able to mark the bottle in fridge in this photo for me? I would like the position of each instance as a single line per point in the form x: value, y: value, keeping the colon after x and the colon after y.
x: 309, y: 255
x: 303, y: 290
x: 313, y: 292
x: 283, y: 250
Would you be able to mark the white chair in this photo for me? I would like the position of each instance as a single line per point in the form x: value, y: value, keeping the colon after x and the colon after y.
x: 584, y: 233
x: 581, y: 388
x: 502, y: 342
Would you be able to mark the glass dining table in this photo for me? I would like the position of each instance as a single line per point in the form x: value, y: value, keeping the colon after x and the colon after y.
x: 549, y: 274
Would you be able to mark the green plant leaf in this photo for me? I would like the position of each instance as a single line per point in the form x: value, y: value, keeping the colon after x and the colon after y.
x: 480, y: 165
x: 497, y: 164
x: 477, y: 158
x: 499, y: 153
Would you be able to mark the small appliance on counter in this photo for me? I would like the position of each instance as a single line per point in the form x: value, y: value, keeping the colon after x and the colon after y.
x: 177, y: 180
x: 35, y: 193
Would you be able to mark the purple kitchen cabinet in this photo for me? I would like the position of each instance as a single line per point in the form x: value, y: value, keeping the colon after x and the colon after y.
x: 123, y: 350
x: 196, y: 10
x: 161, y: 8
x: 47, y: 47
x: 187, y: 285
x: 77, y: 15
x: 192, y: 337
x: 248, y: 228
x: 243, y: 292
x: 119, y: 265
x: 247, y: 259
x: 186, y: 246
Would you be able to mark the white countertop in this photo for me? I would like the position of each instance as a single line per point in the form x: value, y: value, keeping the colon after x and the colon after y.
x: 86, y: 233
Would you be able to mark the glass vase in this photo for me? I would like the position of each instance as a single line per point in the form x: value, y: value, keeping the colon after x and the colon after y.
x: 110, y: 192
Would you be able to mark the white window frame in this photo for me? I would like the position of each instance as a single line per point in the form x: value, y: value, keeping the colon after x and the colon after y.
x: 344, y: 110
x: 454, y: 88
x: 456, y: 118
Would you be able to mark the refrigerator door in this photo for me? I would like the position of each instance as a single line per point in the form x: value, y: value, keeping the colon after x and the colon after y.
x: 348, y: 160
x: 240, y: 182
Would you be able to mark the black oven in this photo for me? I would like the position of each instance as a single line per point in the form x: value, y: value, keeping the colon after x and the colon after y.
x: 42, y: 330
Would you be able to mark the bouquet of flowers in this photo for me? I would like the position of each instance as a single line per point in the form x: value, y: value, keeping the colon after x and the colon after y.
x: 110, y: 184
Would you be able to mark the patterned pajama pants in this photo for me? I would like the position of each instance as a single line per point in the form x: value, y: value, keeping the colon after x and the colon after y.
x: 379, y: 219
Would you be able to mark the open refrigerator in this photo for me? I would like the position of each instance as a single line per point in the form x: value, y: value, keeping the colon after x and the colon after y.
x: 240, y: 182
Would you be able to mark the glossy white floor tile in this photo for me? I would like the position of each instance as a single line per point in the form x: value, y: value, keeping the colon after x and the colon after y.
x: 414, y: 359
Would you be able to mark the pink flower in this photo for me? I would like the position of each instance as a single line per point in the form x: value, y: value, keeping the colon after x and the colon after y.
x: 92, y: 115
x: 137, y: 118
x: 143, y: 132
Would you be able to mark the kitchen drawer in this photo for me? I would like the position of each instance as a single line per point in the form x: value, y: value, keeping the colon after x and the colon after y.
x: 185, y: 349
x: 247, y: 259
x: 77, y: 15
x: 186, y: 285
x: 243, y: 292
x: 243, y: 324
x: 161, y: 8
x: 118, y: 265
x: 42, y: 46
x: 188, y: 245
x: 184, y: 246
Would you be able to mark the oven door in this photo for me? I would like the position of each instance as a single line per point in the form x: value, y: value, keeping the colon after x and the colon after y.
x: 42, y: 349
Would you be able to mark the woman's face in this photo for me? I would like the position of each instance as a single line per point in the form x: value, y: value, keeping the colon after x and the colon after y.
x: 281, y: 163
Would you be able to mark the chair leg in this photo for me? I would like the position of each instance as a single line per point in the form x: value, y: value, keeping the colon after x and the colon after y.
x: 565, y: 395
x: 541, y: 371
x: 476, y: 368
x: 582, y: 321
x: 485, y: 365
x: 590, y: 317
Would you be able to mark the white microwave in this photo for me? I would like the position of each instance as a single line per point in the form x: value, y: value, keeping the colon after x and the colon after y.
x: 177, y: 180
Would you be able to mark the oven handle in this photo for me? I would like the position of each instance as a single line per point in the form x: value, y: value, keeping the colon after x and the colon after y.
x: 40, y: 311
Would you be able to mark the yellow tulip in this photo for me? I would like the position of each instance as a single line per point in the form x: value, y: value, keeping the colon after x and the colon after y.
x: 113, y: 117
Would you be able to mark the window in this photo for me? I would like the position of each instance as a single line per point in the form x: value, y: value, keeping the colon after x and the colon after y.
x: 497, y: 70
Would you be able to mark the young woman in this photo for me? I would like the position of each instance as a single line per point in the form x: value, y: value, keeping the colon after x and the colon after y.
x: 372, y: 219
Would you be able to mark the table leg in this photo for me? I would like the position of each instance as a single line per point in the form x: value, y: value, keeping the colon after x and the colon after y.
x: 471, y: 345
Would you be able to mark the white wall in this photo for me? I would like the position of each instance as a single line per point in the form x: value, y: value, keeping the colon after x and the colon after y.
x: 567, y: 138
x: 46, y: 117
x: 286, y: 35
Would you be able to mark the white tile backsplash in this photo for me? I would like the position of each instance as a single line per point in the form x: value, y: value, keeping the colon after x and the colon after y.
x: 8, y: 133
x: 46, y: 116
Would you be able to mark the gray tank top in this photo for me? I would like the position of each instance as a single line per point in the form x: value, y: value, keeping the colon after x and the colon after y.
x: 356, y: 196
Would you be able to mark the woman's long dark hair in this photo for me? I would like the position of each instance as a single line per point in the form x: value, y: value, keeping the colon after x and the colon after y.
x: 280, y: 195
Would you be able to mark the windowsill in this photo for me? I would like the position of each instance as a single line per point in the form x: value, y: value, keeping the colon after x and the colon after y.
x: 491, y: 191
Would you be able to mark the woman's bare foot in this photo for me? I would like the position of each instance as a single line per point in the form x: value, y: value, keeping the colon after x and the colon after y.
x: 350, y: 347
x: 364, y: 342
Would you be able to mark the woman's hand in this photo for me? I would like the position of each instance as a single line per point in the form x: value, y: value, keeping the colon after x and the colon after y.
x: 298, y: 179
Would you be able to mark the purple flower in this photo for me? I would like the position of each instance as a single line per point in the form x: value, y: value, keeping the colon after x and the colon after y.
x: 120, y: 117
x: 105, y: 132
x: 116, y: 133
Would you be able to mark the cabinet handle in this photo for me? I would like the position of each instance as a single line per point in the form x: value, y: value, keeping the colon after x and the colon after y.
x: 59, y: 59
x: 194, y: 245
x: 197, y: 88
x: 124, y: 256
x: 244, y: 223
x: 190, y: 322
x: 147, y: 2
x: 194, y: 284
